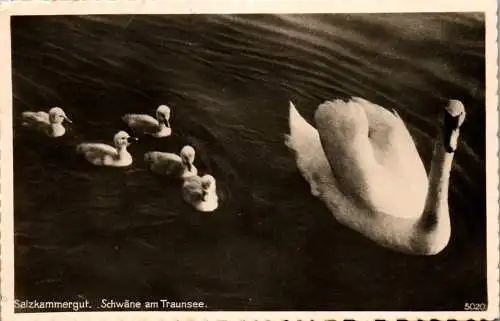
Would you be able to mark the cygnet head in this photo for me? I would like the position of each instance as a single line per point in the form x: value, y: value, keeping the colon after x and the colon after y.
x: 187, y: 154
x: 163, y: 114
x: 123, y: 139
x: 454, y: 117
x: 57, y: 116
x: 207, y: 182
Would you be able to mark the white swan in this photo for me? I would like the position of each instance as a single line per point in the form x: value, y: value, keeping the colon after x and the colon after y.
x: 363, y: 164
x: 51, y: 123
x: 201, y: 192
x: 106, y: 155
x: 148, y: 125
x: 172, y: 164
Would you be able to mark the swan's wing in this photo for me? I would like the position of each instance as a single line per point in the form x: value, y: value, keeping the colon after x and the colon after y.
x: 192, y: 190
x: 141, y: 123
x: 161, y: 157
x: 97, y: 149
x: 344, y: 129
x: 35, y: 117
x: 395, y: 150
x: 164, y: 163
x: 98, y: 154
x: 392, y: 143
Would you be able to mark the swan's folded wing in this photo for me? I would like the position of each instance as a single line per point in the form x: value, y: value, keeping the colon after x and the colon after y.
x: 392, y: 143
x: 142, y: 123
x: 161, y: 157
x: 192, y: 190
x: 395, y: 150
x: 40, y: 117
x: 97, y: 149
x: 344, y: 130
x: 164, y: 163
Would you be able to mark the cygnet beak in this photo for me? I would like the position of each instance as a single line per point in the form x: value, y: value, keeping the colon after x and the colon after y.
x: 66, y: 118
x: 187, y: 163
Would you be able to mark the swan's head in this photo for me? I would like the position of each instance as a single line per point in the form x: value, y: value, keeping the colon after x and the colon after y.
x: 454, y: 117
x: 58, y: 116
x: 208, y: 182
x: 187, y: 155
x: 123, y: 139
x: 163, y: 114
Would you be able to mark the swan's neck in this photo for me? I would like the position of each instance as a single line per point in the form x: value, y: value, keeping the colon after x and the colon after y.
x: 56, y: 130
x: 122, y: 151
x: 436, y: 204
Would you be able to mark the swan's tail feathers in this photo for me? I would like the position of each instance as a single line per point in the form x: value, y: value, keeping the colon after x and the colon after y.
x: 301, y: 135
x: 298, y: 125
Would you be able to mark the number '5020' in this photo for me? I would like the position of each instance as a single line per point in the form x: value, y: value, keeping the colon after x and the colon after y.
x: 475, y: 306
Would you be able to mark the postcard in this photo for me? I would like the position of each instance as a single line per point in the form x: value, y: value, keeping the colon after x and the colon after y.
x: 249, y: 160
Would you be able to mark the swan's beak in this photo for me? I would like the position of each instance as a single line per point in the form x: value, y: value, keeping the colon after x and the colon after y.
x: 187, y: 163
x: 454, y: 117
x: 132, y: 139
x: 68, y: 120
x: 163, y: 119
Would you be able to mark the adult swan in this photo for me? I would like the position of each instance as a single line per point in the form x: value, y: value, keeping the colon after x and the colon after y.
x: 363, y: 164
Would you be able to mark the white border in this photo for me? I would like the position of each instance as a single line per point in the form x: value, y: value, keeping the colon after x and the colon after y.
x: 46, y: 7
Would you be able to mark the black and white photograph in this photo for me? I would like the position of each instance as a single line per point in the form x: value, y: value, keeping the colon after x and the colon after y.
x: 251, y: 162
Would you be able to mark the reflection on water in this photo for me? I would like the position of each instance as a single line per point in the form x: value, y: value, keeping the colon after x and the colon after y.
x: 91, y: 232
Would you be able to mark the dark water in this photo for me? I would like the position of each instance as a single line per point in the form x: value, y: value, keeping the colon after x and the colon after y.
x: 86, y: 232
